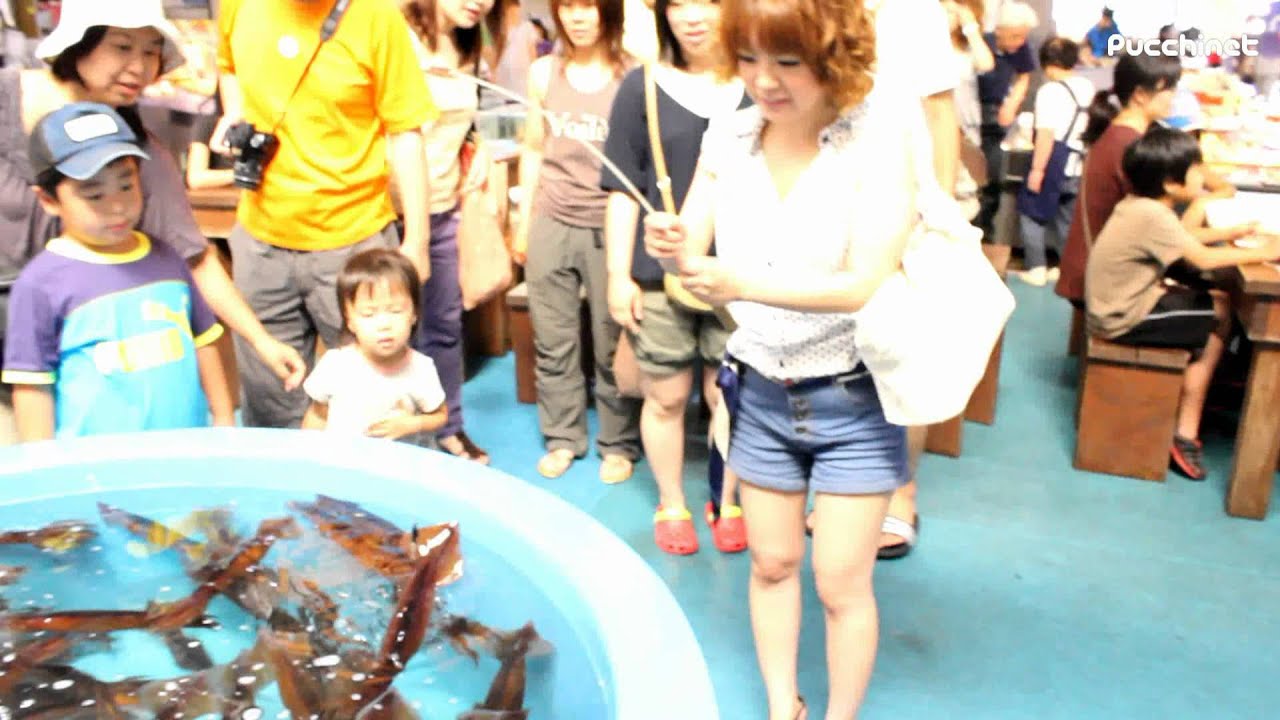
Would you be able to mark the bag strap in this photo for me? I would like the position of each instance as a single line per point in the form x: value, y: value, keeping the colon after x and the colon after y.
x: 1084, y: 209
x: 663, y: 179
x: 1079, y: 108
x: 327, y: 30
x: 1074, y: 116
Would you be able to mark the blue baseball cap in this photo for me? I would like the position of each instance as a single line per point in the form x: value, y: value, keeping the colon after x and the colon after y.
x: 80, y: 139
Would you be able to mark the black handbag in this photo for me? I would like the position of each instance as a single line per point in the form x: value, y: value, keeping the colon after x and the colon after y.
x: 1043, y: 206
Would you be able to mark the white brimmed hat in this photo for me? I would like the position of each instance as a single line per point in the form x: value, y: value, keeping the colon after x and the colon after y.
x: 80, y: 15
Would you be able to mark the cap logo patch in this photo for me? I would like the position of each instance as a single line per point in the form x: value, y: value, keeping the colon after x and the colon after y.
x: 88, y: 127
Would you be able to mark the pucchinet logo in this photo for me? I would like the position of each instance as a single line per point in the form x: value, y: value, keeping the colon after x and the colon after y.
x: 1183, y: 47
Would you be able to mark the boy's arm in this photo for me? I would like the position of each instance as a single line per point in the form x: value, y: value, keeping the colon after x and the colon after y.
x: 220, y: 292
x: 32, y: 354
x: 1195, y: 220
x: 33, y: 412
x: 317, y: 417
x: 1203, y: 257
x: 213, y: 378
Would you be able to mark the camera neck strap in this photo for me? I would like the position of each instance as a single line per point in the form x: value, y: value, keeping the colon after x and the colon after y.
x: 327, y: 30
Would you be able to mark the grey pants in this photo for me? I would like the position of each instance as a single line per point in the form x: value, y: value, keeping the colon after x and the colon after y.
x: 294, y: 294
x: 561, y: 260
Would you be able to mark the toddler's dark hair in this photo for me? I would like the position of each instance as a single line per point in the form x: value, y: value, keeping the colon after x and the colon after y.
x: 372, y: 267
x: 1159, y: 156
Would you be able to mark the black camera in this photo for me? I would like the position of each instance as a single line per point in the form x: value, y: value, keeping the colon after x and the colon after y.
x: 253, y: 152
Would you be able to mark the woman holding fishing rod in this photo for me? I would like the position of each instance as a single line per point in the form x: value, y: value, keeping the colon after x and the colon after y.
x: 449, y: 41
x: 672, y: 103
x: 811, y: 196
x: 561, y: 228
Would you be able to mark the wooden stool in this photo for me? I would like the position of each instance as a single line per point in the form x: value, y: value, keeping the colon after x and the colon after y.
x: 521, y: 327
x: 982, y: 406
x: 1128, y: 409
x: 947, y: 438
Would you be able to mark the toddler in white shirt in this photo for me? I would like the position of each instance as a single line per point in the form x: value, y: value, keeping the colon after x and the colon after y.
x: 377, y: 385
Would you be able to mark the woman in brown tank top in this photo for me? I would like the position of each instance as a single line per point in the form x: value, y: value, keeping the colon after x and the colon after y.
x: 561, y: 229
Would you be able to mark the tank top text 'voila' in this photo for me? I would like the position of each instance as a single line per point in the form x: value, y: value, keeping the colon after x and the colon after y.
x: 569, y: 182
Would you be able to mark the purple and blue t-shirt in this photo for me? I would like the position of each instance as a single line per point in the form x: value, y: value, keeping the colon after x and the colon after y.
x: 114, y: 335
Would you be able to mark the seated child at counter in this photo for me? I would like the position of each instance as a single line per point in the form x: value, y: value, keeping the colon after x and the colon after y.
x: 107, y: 332
x: 1128, y: 298
x: 377, y: 385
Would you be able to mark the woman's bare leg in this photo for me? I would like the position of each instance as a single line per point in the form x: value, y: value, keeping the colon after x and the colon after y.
x: 775, y: 535
x: 846, y: 533
x: 662, y: 431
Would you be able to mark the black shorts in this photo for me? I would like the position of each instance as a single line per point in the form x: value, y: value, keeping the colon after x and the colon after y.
x: 1183, y: 318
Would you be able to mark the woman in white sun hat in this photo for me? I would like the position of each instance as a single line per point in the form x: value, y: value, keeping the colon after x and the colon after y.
x: 109, y: 52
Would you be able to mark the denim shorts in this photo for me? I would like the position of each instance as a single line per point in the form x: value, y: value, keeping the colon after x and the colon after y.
x: 830, y: 437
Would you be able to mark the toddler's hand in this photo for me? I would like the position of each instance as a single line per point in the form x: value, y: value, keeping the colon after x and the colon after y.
x: 394, y: 427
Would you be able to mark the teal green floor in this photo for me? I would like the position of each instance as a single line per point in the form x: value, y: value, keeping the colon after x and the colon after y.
x: 1036, y: 591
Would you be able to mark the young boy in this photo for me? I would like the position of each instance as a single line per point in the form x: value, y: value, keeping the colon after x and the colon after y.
x: 1126, y: 294
x: 107, y: 333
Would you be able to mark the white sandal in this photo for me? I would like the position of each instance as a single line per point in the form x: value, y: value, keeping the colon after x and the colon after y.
x: 908, y: 531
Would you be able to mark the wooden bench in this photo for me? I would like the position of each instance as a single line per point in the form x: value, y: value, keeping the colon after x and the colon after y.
x: 1128, y: 409
x: 521, y: 328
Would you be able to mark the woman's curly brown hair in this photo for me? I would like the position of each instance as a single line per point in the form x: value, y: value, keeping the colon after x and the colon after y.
x: 835, y: 38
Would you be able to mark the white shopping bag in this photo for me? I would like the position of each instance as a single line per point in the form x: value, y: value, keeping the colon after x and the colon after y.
x: 927, y: 333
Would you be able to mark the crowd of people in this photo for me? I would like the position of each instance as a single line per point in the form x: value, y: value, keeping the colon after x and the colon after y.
x: 726, y: 209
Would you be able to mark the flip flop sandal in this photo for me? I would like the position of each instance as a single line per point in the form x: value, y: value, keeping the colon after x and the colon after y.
x: 473, y: 450
x: 673, y: 531
x: 469, y: 449
x: 615, y: 469
x: 908, y: 532
x: 555, y: 463
x: 729, y: 531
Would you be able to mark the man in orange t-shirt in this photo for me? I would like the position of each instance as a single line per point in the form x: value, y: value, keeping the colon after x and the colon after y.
x: 355, y: 115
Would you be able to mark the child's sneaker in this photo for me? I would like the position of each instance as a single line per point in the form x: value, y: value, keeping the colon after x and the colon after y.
x: 1187, y: 457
